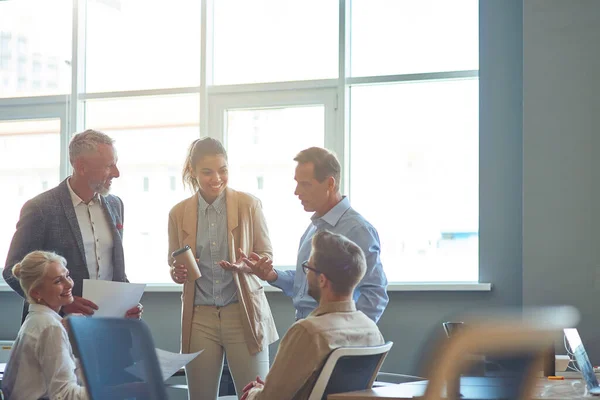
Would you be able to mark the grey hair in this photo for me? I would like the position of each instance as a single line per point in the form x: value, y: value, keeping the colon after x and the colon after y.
x: 32, y: 269
x: 87, y: 142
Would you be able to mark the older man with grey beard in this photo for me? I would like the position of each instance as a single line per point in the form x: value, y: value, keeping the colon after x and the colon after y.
x: 79, y: 220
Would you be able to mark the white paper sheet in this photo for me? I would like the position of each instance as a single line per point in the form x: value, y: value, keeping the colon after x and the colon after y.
x: 112, y: 298
x: 169, y: 364
x: 173, y: 362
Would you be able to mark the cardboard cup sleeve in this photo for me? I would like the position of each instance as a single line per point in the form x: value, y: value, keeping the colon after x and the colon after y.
x: 185, y: 256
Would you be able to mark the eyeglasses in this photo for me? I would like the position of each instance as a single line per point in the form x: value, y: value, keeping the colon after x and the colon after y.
x: 306, y: 267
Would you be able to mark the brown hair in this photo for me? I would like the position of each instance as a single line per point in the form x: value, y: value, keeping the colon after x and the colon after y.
x: 199, y: 148
x: 32, y: 269
x: 340, y: 259
x: 325, y: 162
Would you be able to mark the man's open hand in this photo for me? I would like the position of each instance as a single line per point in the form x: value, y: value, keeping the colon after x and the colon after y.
x: 80, y: 306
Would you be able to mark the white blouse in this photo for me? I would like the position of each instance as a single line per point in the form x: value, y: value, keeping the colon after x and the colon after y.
x: 41, y: 362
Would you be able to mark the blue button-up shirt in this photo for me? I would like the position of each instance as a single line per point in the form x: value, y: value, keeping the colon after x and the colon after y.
x: 216, y: 286
x: 370, y: 295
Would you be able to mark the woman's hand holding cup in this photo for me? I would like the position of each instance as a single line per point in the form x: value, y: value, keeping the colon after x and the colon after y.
x: 178, y: 272
x: 184, y: 265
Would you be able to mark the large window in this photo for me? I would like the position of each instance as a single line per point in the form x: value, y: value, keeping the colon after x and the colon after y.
x: 391, y: 37
x: 29, y: 165
x: 152, y: 135
x: 35, y: 48
x: 391, y: 86
x: 274, y: 40
x: 416, y: 144
x: 262, y: 145
x: 138, y: 44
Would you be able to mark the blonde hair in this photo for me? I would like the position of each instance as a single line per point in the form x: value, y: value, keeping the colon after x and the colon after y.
x: 32, y: 269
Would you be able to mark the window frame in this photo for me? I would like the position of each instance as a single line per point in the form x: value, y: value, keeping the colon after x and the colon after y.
x: 255, y: 96
x: 215, y: 99
x: 56, y: 106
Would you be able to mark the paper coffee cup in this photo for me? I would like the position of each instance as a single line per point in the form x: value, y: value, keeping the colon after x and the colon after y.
x: 185, y: 256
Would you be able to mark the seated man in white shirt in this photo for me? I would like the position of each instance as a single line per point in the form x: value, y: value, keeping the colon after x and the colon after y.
x: 334, y: 268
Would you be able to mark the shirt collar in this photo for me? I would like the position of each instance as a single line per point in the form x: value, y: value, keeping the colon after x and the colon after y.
x: 76, y: 199
x: 336, y: 306
x: 218, y: 204
x: 44, y: 310
x: 333, y: 216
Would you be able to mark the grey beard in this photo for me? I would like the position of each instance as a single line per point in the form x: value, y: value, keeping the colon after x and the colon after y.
x: 101, y: 190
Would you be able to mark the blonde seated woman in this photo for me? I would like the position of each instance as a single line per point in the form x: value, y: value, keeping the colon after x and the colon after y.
x: 41, y: 364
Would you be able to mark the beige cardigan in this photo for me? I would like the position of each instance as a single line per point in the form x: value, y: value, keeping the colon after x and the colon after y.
x: 247, y: 229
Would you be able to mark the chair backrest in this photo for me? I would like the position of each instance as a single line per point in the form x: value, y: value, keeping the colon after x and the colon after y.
x: 118, y: 358
x: 521, y: 338
x: 348, y: 369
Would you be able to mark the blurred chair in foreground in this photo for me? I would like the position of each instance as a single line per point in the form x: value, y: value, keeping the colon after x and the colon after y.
x: 105, y: 378
x: 523, y: 337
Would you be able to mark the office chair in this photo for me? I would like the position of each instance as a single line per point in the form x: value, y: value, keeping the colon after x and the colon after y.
x: 114, y: 365
x: 348, y: 369
x: 522, y: 338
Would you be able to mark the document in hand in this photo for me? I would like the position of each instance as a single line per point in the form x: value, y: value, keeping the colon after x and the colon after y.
x: 112, y: 298
x: 169, y: 363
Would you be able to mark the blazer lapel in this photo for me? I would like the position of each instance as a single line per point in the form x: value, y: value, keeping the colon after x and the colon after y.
x: 231, y: 200
x: 190, y: 223
x: 67, y: 204
x: 108, y: 211
x: 111, y: 209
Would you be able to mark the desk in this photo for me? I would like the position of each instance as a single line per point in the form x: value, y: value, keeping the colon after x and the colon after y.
x: 472, y: 388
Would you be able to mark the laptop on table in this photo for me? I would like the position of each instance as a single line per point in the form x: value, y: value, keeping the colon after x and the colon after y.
x: 583, y: 361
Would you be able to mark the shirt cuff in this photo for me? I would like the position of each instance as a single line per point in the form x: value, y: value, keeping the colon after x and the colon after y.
x: 274, y: 283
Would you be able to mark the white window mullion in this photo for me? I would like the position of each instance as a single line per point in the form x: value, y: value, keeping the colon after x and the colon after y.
x: 206, y: 63
x: 76, y: 111
x: 340, y: 142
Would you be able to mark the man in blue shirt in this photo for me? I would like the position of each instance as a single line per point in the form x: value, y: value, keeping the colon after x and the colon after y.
x: 318, y: 188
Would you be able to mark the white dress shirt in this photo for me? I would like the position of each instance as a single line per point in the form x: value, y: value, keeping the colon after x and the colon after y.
x: 97, y: 236
x: 41, y: 362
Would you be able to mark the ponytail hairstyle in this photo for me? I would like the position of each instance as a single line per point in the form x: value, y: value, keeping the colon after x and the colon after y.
x: 199, y: 148
x: 31, y: 271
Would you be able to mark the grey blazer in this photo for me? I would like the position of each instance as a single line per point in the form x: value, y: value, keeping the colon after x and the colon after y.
x: 48, y: 222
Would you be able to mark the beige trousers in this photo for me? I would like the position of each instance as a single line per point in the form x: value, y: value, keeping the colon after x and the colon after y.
x: 215, y: 330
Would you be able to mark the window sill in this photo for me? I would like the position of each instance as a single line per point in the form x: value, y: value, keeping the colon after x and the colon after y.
x: 173, y: 287
x: 440, y: 287
x: 392, y: 287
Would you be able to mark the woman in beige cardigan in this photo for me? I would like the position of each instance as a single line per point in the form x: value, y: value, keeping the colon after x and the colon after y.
x: 223, y: 310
